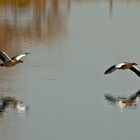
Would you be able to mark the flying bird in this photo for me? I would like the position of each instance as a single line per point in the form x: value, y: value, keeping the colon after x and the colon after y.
x: 124, y: 102
x: 9, y: 62
x: 124, y: 66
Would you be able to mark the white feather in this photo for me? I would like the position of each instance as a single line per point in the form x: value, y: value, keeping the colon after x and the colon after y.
x: 119, y: 65
x: 121, y: 104
x: 21, y: 107
x: 136, y: 68
x: 6, y: 56
x: 18, y: 57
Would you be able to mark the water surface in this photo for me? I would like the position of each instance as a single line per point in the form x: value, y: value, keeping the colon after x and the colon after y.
x: 72, y: 43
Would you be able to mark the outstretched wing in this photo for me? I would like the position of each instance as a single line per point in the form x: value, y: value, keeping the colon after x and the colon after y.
x: 136, y: 70
x: 111, y: 98
x: 110, y: 70
x: 138, y: 93
x: 18, y: 57
x: 4, y: 57
x: 134, y: 96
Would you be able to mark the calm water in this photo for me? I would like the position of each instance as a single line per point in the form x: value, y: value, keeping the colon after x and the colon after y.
x: 72, y: 43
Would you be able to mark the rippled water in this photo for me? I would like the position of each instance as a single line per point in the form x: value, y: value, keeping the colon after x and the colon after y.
x: 72, y: 43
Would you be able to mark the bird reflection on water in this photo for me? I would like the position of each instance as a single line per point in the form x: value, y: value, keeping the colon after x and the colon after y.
x: 124, y: 102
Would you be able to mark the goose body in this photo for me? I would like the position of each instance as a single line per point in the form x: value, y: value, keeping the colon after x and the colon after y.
x: 124, y: 66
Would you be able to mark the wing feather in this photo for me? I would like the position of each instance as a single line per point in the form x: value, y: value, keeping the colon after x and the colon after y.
x: 4, y: 57
x: 110, y: 70
x: 136, y: 70
x: 18, y: 57
x: 118, y: 66
x: 111, y: 98
x: 134, y: 96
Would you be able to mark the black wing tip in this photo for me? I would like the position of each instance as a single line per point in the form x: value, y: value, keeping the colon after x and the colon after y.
x: 108, y: 96
x: 106, y: 72
x: 110, y: 70
x: 138, y: 93
x: 134, y: 69
x: 27, y: 53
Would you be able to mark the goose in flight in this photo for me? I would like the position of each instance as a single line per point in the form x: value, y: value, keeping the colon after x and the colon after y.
x: 124, y: 102
x: 9, y: 62
x: 124, y: 66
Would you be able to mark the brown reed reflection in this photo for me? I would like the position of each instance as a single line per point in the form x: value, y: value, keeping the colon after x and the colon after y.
x: 28, y: 20
x: 37, y: 20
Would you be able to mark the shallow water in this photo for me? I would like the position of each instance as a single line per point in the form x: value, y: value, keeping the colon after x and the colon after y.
x: 72, y: 43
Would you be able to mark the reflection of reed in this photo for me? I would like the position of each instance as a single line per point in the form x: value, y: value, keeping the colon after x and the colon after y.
x: 111, y: 2
x: 28, y: 20
x: 37, y: 20
x: 110, y: 7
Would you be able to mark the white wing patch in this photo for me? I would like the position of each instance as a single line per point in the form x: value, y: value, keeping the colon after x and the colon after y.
x: 19, y: 56
x: 119, y: 65
x: 121, y: 104
x: 136, y: 68
x: 6, y: 56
